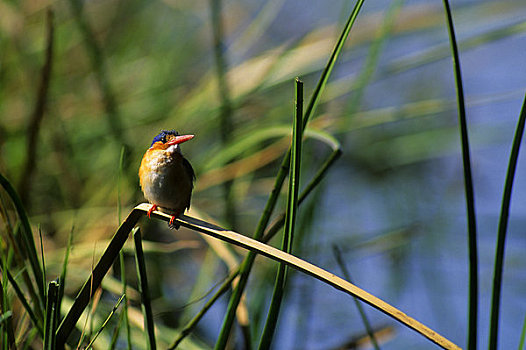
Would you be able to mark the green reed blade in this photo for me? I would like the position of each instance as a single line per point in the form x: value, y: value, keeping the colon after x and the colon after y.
x: 144, y: 290
x: 503, y: 226
x: 523, y: 335
x: 51, y: 309
x: 105, y: 323
x: 62, y: 279
x: 7, y: 334
x: 363, y: 316
x: 124, y: 284
x: 290, y: 220
x: 468, y: 185
x: 28, y: 242
x: 20, y: 294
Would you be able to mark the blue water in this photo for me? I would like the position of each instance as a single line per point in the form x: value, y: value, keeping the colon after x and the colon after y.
x: 426, y: 274
x: 396, y: 207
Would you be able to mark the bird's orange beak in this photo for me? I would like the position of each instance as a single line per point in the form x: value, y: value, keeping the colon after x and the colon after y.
x: 179, y: 139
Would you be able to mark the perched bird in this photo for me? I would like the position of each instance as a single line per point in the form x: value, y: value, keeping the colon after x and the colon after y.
x: 166, y: 177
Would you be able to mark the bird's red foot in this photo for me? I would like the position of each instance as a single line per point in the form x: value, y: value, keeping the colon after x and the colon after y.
x: 151, y: 210
x: 172, y: 224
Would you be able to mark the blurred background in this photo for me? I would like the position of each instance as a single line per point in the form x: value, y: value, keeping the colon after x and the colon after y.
x: 393, y: 203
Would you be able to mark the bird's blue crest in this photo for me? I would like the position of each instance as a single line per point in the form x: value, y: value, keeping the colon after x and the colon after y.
x: 162, y: 136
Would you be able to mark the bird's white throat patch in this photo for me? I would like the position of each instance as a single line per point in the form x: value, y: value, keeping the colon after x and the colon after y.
x: 172, y: 149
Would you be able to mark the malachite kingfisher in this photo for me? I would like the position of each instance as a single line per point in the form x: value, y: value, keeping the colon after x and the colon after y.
x: 167, y: 178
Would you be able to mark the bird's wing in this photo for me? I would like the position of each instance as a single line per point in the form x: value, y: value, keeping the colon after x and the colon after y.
x: 190, y: 170
x: 188, y: 167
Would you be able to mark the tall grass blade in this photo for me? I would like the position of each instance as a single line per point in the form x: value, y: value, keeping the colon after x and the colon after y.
x: 189, y: 327
x: 99, y: 331
x: 280, y: 178
x: 119, y: 177
x: 367, y: 72
x: 468, y: 184
x: 15, y: 255
x: 523, y: 335
x: 290, y: 221
x: 5, y: 316
x: 116, y: 332
x: 503, y: 226
x: 95, y: 279
x: 121, y: 258
x: 308, y: 189
x: 124, y: 285
x: 28, y: 242
x: 20, y: 294
x: 51, y: 309
x: 144, y: 290
x: 7, y: 334
x: 42, y: 254
x: 30, y: 338
x: 330, y: 64
x: 62, y: 279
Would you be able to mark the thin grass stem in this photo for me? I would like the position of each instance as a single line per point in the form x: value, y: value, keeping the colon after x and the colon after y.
x: 363, y: 316
x: 367, y: 72
x: 28, y: 243
x: 290, y: 220
x: 62, y: 279
x: 5, y: 316
x: 121, y: 256
x: 99, y: 331
x: 42, y: 254
x: 15, y: 253
x: 188, y: 328
x: 502, y: 229
x: 523, y: 335
x: 121, y: 170
x: 468, y: 185
x: 273, y: 229
x: 93, y: 301
x: 124, y: 285
x: 30, y: 337
x: 6, y: 327
x: 20, y: 294
x: 51, y: 309
x: 144, y: 290
x: 116, y: 332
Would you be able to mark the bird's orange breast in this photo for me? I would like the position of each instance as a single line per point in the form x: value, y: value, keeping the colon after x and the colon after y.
x: 164, y: 179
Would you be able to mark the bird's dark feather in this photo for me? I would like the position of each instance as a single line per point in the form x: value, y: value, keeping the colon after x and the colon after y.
x: 162, y: 136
